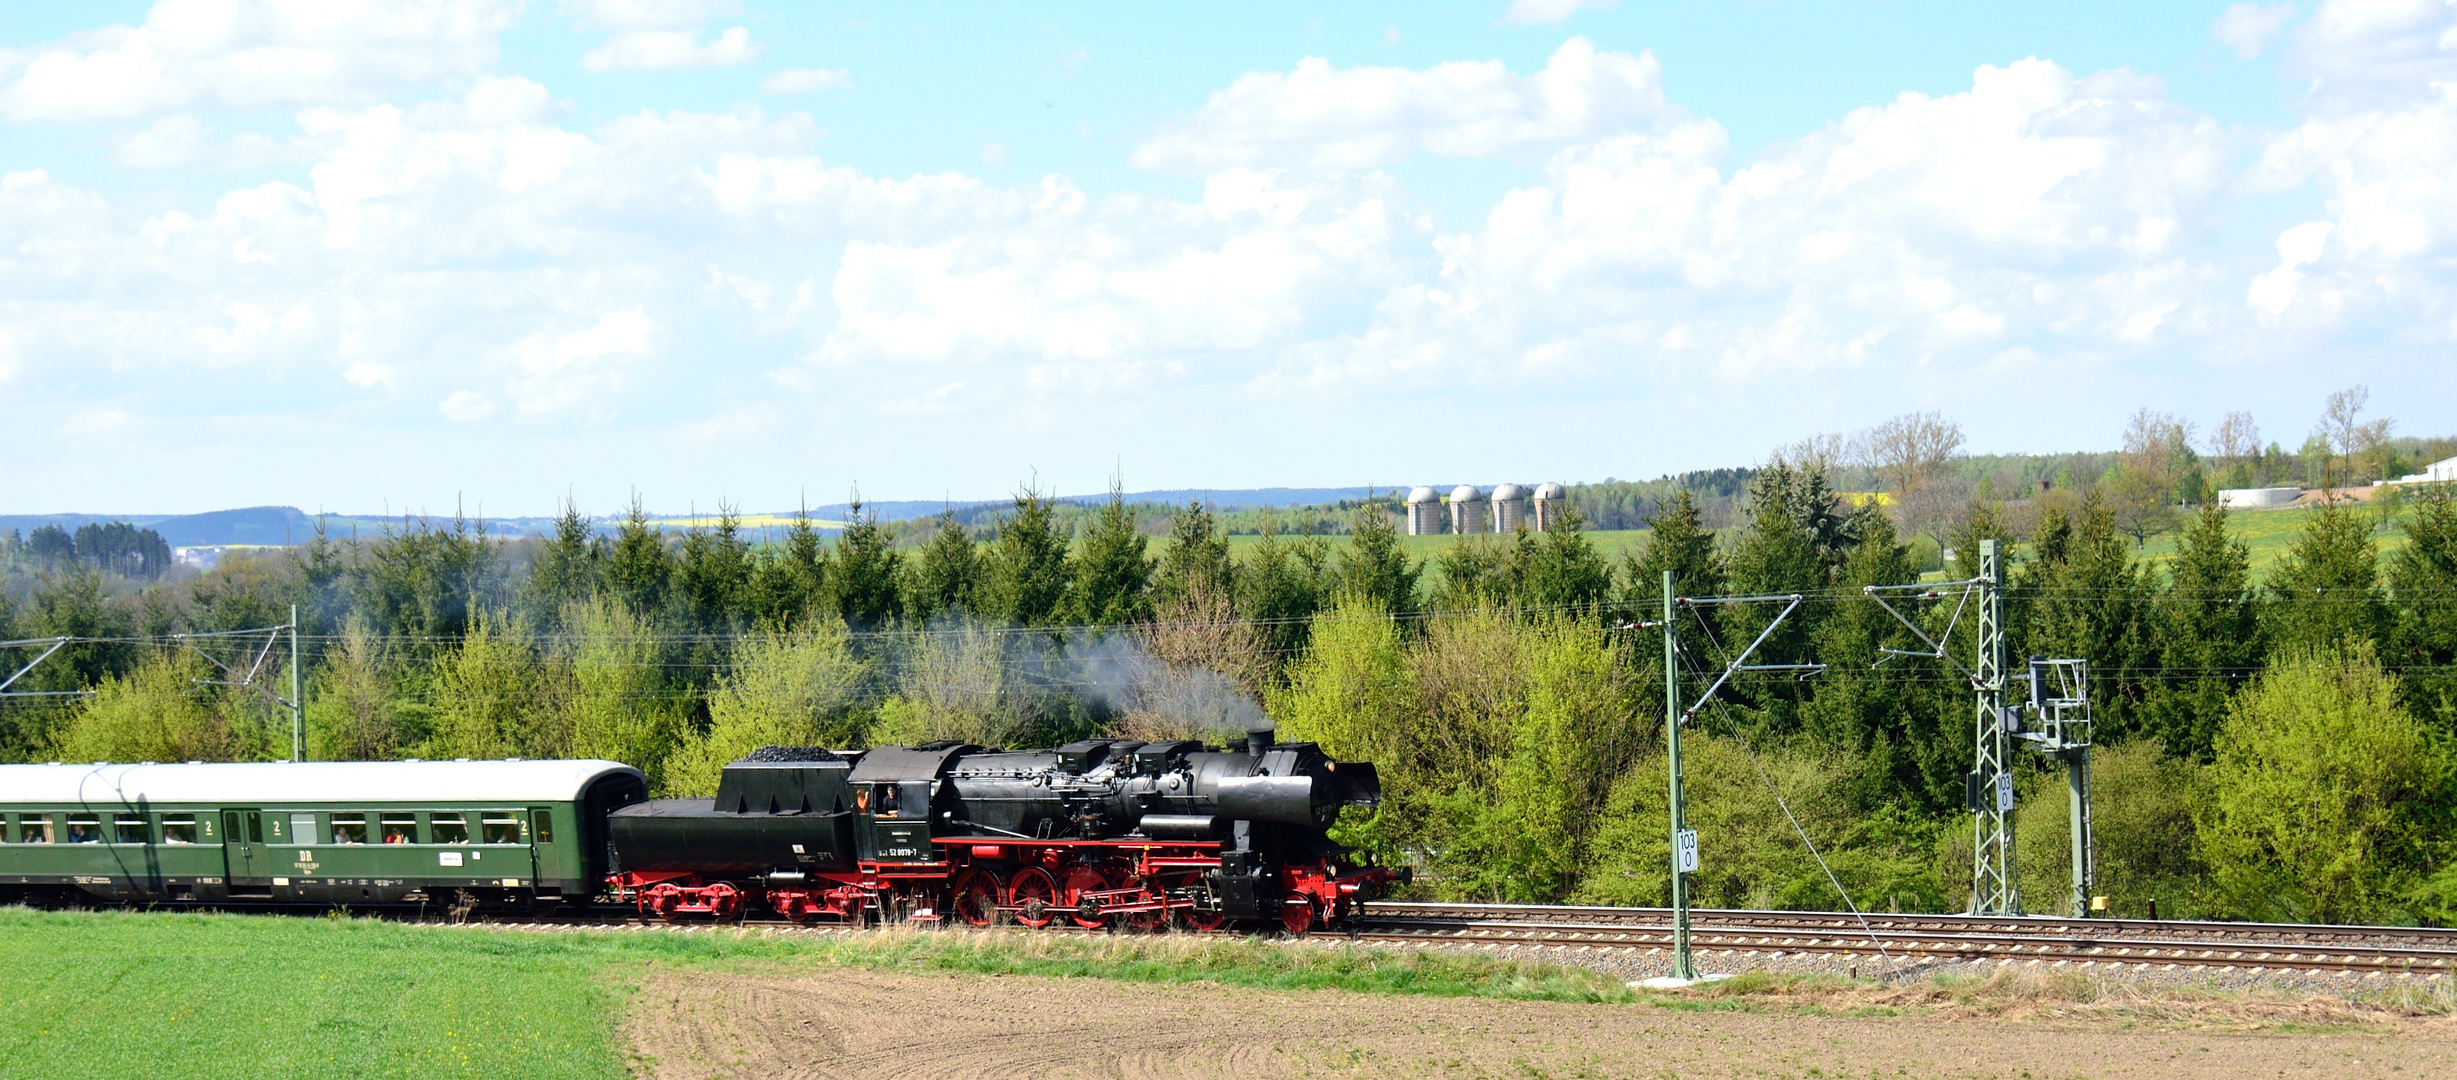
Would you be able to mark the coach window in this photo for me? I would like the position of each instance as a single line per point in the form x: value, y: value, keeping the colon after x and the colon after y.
x: 129, y: 829
x: 400, y: 828
x: 349, y: 828
x: 178, y: 828
x: 34, y: 829
x: 545, y: 822
x: 500, y: 830
x: 448, y: 829
x: 84, y: 830
x: 303, y: 829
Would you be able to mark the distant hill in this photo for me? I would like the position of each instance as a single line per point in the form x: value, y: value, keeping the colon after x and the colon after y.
x: 281, y: 525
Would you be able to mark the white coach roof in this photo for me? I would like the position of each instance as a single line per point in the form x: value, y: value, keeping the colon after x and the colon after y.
x: 250, y: 784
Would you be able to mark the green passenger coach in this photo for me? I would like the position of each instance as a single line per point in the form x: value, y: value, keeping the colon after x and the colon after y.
x: 457, y: 833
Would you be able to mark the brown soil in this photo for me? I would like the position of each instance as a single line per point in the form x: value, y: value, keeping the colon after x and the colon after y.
x: 873, y: 1025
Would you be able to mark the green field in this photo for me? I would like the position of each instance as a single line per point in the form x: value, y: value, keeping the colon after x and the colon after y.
x: 120, y: 994
x: 2269, y: 533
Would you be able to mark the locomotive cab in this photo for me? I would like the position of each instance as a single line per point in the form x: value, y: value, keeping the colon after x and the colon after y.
x: 895, y: 795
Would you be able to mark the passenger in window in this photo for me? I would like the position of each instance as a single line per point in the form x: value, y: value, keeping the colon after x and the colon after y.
x: 84, y: 831
x: 450, y: 830
x: 349, y: 830
x: 501, y: 831
x: 34, y: 831
x: 178, y: 830
x: 400, y: 830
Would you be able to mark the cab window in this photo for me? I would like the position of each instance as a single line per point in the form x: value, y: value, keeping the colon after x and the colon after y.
x: 400, y: 828
x: 178, y: 828
x: 448, y: 829
x: 84, y: 830
x: 886, y: 802
x: 500, y: 830
x: 349, y: 828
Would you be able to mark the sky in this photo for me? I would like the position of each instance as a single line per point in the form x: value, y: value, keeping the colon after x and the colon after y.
x: 377, y: 255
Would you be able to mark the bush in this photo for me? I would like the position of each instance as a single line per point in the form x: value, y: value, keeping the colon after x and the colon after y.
x: 2327, y: 797
x: 1749, y: 855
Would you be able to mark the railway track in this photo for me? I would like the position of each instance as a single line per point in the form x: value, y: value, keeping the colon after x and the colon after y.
x: 2409, y: 952
x: 2387, y: 950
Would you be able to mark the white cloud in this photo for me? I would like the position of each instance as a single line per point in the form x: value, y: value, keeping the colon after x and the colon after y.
x: 183, y: 141
x: 2247, y: 28
x: 560, y: 370
x: 1318, y: 116
x: 671, y: 50
x: 239, y: 54
x: 646, y: 14
x: 1534, y: 12
x: 2368, y: 54
x: 610, y: 285
x: 805, y: 81
x: 465, y: 406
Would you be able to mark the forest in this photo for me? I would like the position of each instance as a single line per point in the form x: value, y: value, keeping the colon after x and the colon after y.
x: 2272, y: 745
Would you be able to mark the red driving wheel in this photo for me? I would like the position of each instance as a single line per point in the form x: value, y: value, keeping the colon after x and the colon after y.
x: 1084, y: 878
x: 976, y: 897
x: 1202, y: 922
x: 1034, y: 895
x: 1297, y: 915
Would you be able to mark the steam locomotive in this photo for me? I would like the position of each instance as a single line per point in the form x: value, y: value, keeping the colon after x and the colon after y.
x: 1098, y: 832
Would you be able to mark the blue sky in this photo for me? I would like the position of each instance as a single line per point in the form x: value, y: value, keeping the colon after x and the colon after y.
x: 363, y: 253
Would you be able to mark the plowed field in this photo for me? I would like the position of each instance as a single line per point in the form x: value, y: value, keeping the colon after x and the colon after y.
x: 868, y: 1024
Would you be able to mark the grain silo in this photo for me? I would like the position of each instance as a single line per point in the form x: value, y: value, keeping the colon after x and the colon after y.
x: 1468, y: 510
x: 1550, y: 501
x: 1424, y: 512
x: 1509, y: 508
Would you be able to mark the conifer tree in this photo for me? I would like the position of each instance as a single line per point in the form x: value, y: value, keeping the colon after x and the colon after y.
x: 2422, y: 580
x: 1027, y: 572
x: 2085, y: 597
x: 565, y: 570
x: 862, y: 573
x: 2207, y: 636
x: 1562, y: 568
x: 638, y: 568
x: 712, y: 574
x: 1112, y: 574
x: 1196, y: 561
x: 946, y: 578
x: 1374, y: 567
x: 2326, y: 592
x: 1678, y: 541
x: 1280, y: 587
x: 788, y: 585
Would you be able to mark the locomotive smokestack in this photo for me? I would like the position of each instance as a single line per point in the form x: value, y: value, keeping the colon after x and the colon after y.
x: 1258, y: 740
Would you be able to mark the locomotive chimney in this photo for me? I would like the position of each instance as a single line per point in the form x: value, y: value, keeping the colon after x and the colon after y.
x: 1257, y: 741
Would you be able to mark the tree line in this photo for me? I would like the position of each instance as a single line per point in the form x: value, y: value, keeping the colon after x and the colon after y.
x: 2274, y: 748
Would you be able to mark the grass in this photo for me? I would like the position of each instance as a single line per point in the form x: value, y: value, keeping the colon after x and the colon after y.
x: 119, y: 994
x: 2270, y: 534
